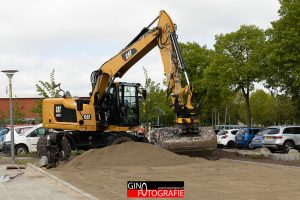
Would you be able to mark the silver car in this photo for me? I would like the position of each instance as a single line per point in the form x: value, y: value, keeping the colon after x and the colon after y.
x: 282, y: 138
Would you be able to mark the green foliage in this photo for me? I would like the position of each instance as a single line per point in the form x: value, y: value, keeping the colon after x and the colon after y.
x: 286, y: 111
x: 46, y: 89
x: 38, y: 110
x: 155, y: 105
x: 237, y: 61
x: 283, y: 49
x: 3, y: 118
x: 18, y: 114
x: 263, y: 108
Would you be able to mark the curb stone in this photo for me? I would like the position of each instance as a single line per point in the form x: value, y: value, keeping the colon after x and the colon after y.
x: 264, y: 164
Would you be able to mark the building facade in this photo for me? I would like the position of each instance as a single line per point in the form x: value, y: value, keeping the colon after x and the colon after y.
x: 23, y: 106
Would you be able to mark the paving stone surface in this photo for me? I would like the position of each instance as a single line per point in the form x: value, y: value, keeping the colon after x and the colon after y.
x: 34, y: 185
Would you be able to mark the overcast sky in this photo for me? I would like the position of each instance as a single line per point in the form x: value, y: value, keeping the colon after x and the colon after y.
x: 75, y: 37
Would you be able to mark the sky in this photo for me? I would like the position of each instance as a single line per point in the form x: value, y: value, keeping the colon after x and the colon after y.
x: 75, y: 37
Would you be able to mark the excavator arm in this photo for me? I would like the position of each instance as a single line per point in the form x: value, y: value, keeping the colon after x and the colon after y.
x: 164, y: 36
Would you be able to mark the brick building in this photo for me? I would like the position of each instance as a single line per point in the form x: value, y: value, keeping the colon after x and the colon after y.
x: 25, y: 106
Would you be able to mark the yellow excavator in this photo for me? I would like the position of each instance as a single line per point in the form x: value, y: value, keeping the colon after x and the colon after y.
x: 111, y: 114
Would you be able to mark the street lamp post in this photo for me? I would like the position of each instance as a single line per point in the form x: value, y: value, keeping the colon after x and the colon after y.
x: 10, y: 74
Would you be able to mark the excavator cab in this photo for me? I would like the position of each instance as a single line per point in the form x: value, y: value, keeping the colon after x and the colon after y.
x: 121, y: 105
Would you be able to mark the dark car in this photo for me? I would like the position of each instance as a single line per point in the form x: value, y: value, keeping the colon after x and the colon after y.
x: 244, y: 137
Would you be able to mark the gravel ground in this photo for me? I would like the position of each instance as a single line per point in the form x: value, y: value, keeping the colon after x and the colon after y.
x: 104, y: 173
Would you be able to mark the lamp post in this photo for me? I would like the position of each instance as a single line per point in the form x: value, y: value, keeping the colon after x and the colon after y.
x: 10, y: 74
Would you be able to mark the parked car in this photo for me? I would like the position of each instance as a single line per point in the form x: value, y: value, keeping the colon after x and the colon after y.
x: 218, y: 128
x: 18, y: 130
x: 226, y: 138
x: 27, y: 142
x: 244, y: 137
x: 282, y: 138
x: 257, y: 140
x: 3, y: 131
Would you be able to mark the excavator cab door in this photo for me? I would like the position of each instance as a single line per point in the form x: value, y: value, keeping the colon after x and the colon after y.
x: 128, y: 104
x: 121, y: 105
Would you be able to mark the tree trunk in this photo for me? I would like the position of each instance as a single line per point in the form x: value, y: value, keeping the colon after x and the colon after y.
x: 248, y: 110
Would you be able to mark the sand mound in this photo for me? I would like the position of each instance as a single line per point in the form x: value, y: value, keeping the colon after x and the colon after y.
x: 128, y: 154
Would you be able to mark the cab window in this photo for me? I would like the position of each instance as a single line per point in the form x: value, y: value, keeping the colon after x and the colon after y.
x: 234, y: 132
x: 38, y: 132
x: 255, y: 131
x: 287, y: 131
x: 297, y: 130
x: 22, y: 130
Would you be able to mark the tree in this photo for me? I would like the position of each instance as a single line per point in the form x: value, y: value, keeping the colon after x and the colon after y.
x: 155, y: 105
x: 264, y: 108
x: 46, y: 89
x: 237, y: 60
x: 285, y: 112
x: 282, y: 49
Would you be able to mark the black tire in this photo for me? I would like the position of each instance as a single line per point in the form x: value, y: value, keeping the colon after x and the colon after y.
x: 230, y: 144
x: 120, y: 140
x: 248, y: 145
x: 288, y: 145
x: 65, y: 147
x: 145, y: 140
x: 42, y: 146
x: 272, y: 150
x: 21, y: 150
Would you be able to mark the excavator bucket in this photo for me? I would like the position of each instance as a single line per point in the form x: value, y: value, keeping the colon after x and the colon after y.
x: 174, y: 139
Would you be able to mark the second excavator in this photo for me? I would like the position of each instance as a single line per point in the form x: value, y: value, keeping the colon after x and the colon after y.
x: 111, y: 114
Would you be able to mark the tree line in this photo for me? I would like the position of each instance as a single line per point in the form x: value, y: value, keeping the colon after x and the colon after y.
x: 224, y: 78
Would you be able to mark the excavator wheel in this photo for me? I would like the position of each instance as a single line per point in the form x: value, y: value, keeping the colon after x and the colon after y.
x: 42, y: 146
x: 175, y: 139
x: 121, y: 140
x: 58, y: 151
x: 64, y: 147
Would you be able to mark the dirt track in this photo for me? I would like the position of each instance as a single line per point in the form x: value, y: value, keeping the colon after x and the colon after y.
x: 204, y: 179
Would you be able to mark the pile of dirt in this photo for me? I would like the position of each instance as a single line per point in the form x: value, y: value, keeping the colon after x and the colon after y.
x: 128, y: 154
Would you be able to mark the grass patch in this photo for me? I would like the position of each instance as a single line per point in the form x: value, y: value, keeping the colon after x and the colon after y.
x: 77, y: 152
x: 29, y: 154
x: 25, y: 161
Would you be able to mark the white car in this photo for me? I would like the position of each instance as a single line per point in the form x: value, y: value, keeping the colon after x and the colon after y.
x: 226, y: 138
x: 282, y: 138
x: 18, y: 130
x: 27, y: 142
